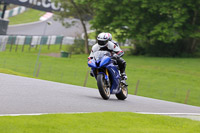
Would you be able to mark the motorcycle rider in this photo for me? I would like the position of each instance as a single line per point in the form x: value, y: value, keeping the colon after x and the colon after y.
x: 104, y: 43
x: 110, y: 39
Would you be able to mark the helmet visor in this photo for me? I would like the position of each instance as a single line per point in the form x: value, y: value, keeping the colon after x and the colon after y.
x: 102, y: 42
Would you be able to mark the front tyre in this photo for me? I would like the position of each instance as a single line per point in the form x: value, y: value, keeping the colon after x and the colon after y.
x: 104, y: 89
x: 123, y: 94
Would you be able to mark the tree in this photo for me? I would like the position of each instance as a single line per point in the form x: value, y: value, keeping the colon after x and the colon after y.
x: 171, y: 27
x: 80, y: 9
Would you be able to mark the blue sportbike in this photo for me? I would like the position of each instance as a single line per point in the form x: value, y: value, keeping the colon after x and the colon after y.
x: 108, y: 77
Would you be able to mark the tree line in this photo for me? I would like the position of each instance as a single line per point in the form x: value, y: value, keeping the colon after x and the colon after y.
x: 156, y: 28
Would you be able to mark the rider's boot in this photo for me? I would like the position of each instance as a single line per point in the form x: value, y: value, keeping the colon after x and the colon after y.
x: 122, y: 71
x: 122, y: 67
x: 124, y: 76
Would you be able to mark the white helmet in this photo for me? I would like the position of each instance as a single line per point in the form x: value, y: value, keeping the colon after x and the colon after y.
x: 109, y: 36
x: 102, y: 39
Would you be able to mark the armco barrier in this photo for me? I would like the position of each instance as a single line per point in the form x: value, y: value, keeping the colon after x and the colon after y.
x: 37, y: 40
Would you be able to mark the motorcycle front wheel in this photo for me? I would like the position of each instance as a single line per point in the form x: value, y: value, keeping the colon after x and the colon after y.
x: 104, y: 89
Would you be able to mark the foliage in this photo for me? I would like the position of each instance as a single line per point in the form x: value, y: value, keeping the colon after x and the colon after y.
x: 77, y: 47
x: 80, y: 9
x: 151, y: 23
x: 84, y: 11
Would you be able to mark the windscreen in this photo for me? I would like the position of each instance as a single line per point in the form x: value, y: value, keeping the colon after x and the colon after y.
x: 99, y: 54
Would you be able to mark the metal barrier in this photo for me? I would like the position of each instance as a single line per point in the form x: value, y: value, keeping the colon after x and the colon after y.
x: 37, y: 40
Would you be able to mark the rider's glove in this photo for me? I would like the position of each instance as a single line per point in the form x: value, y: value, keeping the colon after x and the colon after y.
x: 115, y: 56
x: 89, y: 58
x: 120, y: 53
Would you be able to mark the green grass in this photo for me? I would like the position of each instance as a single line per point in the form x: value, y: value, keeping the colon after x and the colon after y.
x: 107, y: 122
x: 11, y: 72
x: 31, y: 15
x: 160, y: 78
x: 166, y: 78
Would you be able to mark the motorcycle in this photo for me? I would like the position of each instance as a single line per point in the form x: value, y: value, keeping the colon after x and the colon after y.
x: 109, y: 80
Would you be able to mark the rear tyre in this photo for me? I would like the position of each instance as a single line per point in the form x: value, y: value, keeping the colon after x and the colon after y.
x: 123, y: 94
x: 104, y: 89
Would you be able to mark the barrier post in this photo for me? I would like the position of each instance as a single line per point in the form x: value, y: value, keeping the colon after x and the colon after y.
x: 187, y: 96
x: 38, y: 71
x: 11, y: 45
x: 17, y: 41
x: 136, y: 89
x: 86, y: 78
x: 49, y: 42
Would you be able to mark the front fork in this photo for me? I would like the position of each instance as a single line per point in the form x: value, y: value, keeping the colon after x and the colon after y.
x: 105, y: 73
x: 107, y: 78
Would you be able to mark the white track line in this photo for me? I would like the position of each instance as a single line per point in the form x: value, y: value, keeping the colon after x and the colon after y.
x: 187, y: 114
x: 169, y: 113
x: 31, y: 23
x: 43, y: 113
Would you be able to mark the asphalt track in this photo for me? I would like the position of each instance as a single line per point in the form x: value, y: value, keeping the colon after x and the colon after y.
x: 22, y: 95
x: 56, y: 28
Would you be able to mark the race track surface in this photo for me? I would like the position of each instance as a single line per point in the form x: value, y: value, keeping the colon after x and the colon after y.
x: 21, y: 95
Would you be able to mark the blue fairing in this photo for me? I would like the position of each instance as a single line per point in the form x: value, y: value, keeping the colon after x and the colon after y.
x: 115, y: 78
x: 92, y: 63
x: 104, y: 61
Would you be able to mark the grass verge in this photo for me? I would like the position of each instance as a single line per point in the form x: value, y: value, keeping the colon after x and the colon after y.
x: 161, y: 78
x: 31, y: 15
x: 112, y: 122
x: 6, y: 71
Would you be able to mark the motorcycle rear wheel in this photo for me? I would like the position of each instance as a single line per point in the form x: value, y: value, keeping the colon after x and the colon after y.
x: 104, y: 89
x: 123, y: 94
